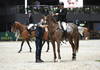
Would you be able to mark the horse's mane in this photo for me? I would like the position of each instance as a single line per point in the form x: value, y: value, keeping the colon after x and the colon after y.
x: 19, y: 23
x: 52, y: 18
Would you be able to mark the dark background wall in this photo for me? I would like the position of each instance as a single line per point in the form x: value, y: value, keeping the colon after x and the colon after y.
x: 7, y: 14
x: 8, y: 11
x: 91, y: 2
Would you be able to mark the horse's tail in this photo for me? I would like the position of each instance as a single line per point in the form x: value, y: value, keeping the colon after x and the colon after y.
x: 77, y: 43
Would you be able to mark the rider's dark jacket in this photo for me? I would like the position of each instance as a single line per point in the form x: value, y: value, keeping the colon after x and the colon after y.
x: 62, y: 14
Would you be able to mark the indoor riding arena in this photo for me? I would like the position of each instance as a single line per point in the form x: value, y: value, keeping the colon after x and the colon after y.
x: 88, y: 57
x: 84, y: 14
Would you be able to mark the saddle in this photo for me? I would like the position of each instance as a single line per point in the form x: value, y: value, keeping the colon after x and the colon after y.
x: 65, y: 27
x: 31, y: 27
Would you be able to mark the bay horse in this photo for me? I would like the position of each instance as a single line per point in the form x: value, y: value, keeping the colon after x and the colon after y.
x: 22, y: 28
x: 26, y: 36
x: 57, y: 35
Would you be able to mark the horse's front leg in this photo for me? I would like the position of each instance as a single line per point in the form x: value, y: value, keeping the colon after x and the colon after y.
x: 29, y: 45
x: 43, y: 42
x: 48, y: 46
x: 58, y: 50
x: 21, y: 46
x: 54, y: 52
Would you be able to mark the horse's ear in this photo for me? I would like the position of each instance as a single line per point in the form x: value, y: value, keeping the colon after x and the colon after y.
x: 17, y: 23
x: 44, y: 17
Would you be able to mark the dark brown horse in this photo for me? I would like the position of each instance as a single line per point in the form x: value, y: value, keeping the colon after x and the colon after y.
x: 57, y: 35
x: 26, y: 36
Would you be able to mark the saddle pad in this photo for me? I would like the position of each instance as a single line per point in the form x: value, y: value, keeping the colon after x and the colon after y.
x: 69, y: 28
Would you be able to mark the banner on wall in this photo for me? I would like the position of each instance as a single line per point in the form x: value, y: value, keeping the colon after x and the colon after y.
x: 72, y: 3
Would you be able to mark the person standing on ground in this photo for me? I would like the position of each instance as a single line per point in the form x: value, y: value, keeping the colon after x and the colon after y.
x: 38, y: 21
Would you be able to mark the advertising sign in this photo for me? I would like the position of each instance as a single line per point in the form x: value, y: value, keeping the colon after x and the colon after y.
x: 72, y: 3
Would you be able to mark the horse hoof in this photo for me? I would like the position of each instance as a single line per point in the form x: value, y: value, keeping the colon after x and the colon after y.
x: 55, y: 60
x: 18, y: 51
x: 59, y: 60
x: 47, y: 51
x: 30, y: 51
x: 74, y: 59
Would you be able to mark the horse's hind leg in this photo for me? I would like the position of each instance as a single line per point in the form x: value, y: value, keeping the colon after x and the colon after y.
x: 29, y: 45
x: 58, y: 50
x: 21, y: 46
x: 73, y: 49
x: 76, y: 47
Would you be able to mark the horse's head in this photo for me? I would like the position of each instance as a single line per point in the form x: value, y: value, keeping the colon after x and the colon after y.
x: 49, y: 19
x: 13, y: 28
x: 18, y: 26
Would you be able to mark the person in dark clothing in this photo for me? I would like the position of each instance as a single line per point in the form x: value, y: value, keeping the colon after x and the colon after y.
x: 61, y: 13
x: 33, y: 19
x: 61, y: 17
x: 37, y: 20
